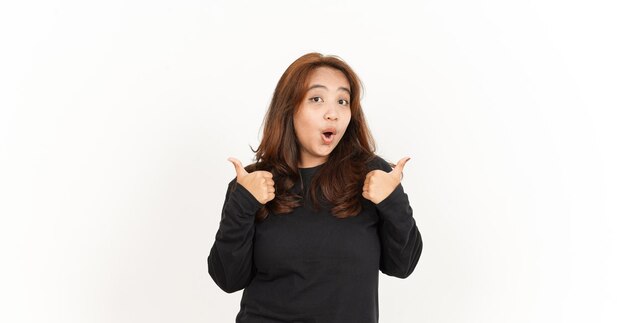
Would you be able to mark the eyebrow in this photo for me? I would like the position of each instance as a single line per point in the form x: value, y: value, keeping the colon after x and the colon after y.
x: 314, y: 86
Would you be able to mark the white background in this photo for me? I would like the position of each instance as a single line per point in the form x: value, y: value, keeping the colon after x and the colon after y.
x: 117, y: 118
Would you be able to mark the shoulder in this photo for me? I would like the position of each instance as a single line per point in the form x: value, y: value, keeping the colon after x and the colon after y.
x: 377, y: 162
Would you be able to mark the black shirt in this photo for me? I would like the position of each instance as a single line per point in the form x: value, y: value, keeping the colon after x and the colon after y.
x: 309, y: 266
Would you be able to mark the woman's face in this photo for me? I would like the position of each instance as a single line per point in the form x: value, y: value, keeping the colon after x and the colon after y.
x: 323, y: 115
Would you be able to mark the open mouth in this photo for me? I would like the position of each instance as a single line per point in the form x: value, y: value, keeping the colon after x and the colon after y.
x: 328, y: 135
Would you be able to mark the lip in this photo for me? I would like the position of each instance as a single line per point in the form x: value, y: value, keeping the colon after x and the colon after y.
x: 330, y: 129
x: 328, y: 140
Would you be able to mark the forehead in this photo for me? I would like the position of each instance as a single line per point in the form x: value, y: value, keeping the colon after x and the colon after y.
x: 329, y: 77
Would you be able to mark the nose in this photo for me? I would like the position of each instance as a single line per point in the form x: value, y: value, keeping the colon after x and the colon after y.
x: 331, y: 114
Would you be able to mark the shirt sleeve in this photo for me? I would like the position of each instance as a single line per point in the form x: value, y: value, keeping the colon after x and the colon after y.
x: 230, y: 261
x: 400, y: 239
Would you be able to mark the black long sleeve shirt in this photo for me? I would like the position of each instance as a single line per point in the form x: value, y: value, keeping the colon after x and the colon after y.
x: 310, y: 266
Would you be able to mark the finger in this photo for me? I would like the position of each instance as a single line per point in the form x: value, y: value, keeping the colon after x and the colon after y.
x: 400, y: 166
x: 366, y: 195
x: 269, y: 182
x: 238, y: 167
x: 271, y: 189
x: 270, y: 196
x: 267, y: 174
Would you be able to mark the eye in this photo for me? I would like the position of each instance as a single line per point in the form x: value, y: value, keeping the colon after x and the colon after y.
x: 344, y: 102
x: 316, y: 99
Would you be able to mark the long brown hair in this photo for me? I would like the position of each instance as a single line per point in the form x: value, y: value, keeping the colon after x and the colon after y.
x: 340, y: 178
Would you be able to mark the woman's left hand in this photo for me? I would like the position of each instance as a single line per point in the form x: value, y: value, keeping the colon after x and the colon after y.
x: 379, y: 184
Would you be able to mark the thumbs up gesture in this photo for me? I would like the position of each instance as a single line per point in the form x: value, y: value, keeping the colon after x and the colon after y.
x: 379, y: 184
x: 258, y: 183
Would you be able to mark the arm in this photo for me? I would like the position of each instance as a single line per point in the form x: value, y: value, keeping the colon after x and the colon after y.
x: 400, y: 240
x: 230, y: 261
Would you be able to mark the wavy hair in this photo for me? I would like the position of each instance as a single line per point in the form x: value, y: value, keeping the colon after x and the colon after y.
x: 339, y: 180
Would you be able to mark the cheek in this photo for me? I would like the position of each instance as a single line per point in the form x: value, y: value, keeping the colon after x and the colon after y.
x: 346, y: 118
x: 301, y: 125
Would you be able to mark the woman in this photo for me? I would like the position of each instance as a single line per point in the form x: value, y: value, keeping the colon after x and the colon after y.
x: 307, y: 227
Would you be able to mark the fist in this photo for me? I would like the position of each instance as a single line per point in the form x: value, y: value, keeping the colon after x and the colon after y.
x: 258, y: 183
x: 379, y: 184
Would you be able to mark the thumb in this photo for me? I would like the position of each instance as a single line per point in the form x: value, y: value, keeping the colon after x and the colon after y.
x: 238, y: 167
x: 400, y: 167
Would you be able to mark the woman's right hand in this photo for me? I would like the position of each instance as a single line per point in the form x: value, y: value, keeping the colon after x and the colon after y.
x: 258, y: 183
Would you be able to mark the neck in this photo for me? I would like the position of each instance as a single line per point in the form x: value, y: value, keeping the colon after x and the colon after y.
x: 310, y: 164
